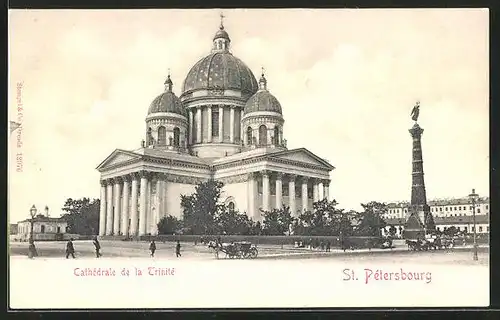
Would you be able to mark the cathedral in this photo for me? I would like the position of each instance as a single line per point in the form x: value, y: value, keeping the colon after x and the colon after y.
x: 226, y: 126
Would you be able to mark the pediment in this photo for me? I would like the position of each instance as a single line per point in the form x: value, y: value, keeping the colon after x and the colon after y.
x: 304, y: 156
x: 118, y: 157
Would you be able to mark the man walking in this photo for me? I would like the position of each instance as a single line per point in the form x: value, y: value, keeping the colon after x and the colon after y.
x: 178, y: 249
x: 70, y: 250
x: 152, y: 248
x: 97, y: 248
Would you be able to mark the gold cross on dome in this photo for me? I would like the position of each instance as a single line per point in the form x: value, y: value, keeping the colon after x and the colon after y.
x: 222, y: 16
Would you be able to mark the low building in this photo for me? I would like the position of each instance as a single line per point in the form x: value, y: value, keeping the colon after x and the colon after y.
x: 447, y: 213
x: 44, y: 228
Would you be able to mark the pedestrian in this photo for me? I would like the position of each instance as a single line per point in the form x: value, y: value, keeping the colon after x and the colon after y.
x: 32, y: 250
x: 97, y: 246
x: 152, y: 248
x: 328, y: 246
x: 178, y: 249
x: 70, y: 249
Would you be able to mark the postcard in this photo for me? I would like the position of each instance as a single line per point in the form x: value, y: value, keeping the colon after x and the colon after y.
x: 248, y: 158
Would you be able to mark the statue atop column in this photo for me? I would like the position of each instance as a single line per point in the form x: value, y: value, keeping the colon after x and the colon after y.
x: 415, y: 112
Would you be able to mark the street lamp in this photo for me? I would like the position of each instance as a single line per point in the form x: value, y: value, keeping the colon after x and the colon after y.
x: 33, y: 215
x: 474, y: 197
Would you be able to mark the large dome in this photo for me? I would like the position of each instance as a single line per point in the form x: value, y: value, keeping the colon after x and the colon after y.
x: 220, y: 70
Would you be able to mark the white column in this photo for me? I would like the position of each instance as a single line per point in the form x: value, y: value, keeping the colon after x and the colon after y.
x: 165, y: 199
x: 326, y: 190
x: 191, y: 125
x: 321, y: 191
x: 221, y: 124
x: 315, y: 191
x: 251, y: 192
x: 209, y: 122
x: 142, y: 204
x: 159, y: 201
x: 265, y: 191
x: 125, y: 203
x: 231, y: 125
x: 291, y: 195
x: 279, y: 190
x: 198, y: 125
x: 149, y: 204
x: 116, y: 216
x: 102, y: 212
x: 304, y: 194
x: 109, y: 210
x: 133, y: 206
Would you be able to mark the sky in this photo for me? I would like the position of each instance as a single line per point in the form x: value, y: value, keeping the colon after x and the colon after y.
x: 346, y: 79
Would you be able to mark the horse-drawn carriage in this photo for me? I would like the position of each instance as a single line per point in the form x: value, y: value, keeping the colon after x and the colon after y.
x: 435, y: 243
x: 239, y: 250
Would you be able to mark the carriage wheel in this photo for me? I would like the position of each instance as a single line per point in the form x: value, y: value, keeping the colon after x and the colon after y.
x: 253, y: 253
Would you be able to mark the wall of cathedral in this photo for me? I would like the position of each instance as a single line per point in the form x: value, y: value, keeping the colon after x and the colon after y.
x: 239, y: 192
x: 173, y: 197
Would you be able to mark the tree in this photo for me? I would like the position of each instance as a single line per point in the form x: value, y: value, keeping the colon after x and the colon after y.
x: 234, y: 223
x: 201, y: 208
x: 82, y: 215
x: 325, y: 219
x: 370, y: 220
x: 277, y: 221
x: 169, y: 225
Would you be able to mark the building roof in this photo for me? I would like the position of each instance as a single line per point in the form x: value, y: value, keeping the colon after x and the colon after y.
x: 41, y: 218
x: 480, y: 219
x: 441, y: 202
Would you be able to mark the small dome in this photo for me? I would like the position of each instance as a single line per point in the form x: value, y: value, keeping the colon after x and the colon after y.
x: 167, y: 102
x: 221, y: 33
x: 262, y: 100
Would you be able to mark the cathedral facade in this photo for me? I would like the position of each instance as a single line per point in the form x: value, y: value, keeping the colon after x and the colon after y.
x: 226, y: 126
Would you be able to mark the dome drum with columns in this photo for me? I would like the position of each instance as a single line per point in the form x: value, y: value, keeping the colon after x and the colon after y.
x: 225, y: 126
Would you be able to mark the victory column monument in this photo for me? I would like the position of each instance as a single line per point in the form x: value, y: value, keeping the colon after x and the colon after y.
x: 420, y: 218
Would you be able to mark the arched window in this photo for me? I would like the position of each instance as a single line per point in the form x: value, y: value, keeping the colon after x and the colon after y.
x: 277, y: 136
x: 231, y: 206
x: 177, y: 134
x: 162, y: 136
x: 249, y: 135
x: 42, y: 229
x: 263, y: 135
x: 150, y: 137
